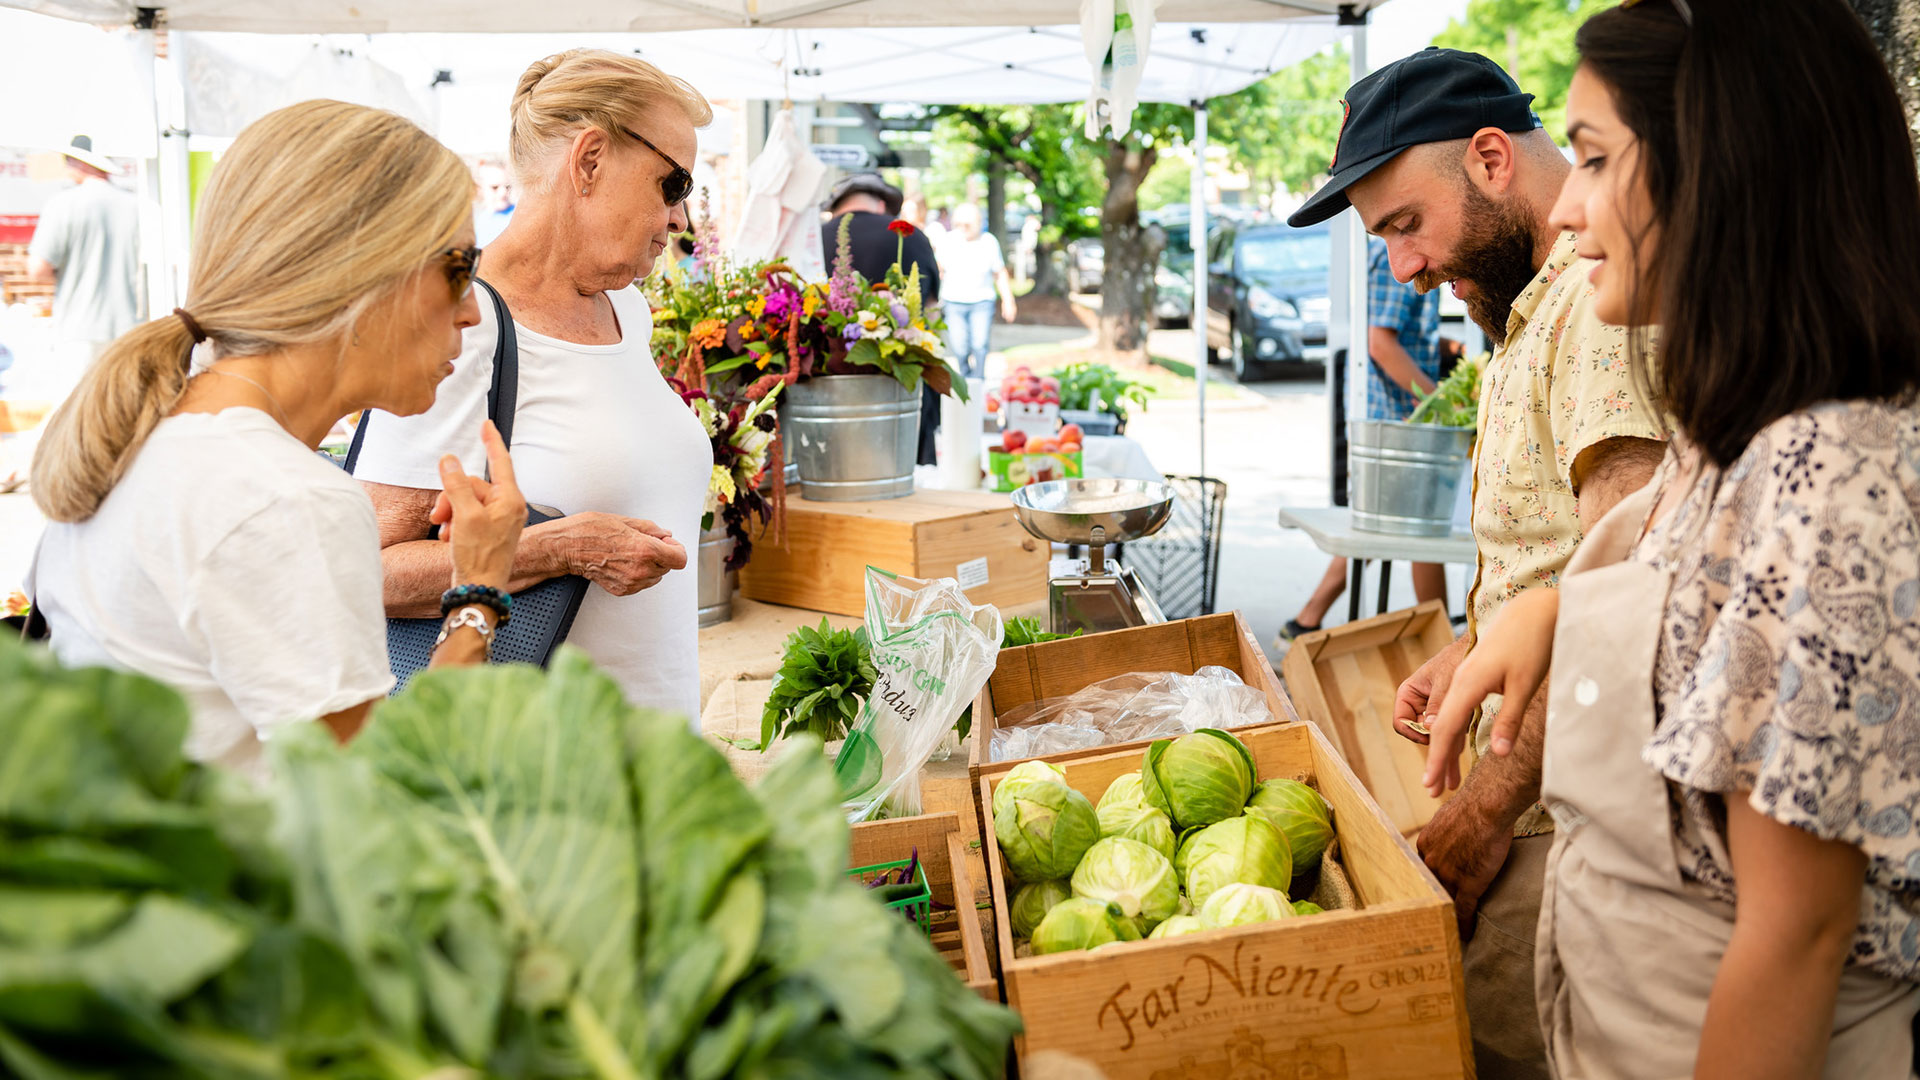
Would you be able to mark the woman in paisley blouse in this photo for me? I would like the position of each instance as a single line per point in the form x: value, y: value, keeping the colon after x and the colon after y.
x: 1733, y: 740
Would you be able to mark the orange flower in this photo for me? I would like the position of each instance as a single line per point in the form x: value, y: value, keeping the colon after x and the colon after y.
x: 709, y: 333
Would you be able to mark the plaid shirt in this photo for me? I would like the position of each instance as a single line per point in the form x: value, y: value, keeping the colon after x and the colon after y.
x: 1414, y: 318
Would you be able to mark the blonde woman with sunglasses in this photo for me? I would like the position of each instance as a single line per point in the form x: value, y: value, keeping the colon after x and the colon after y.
x: 602, y: 146
x: 195, y: 536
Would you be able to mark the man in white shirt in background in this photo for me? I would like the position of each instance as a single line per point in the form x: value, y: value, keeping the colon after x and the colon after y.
x: 87, y: 247
x: 972, y: 272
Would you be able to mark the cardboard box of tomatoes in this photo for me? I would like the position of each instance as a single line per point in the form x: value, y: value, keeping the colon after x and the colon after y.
x: 1026, y: 402
x: 1020, y: 460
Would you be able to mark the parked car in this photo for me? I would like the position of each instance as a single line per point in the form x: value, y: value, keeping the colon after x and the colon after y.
x: 1267, y: 300
x: 1173, y: 281
x: 1086, y: 259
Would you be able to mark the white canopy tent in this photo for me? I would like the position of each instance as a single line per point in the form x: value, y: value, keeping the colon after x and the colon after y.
x: 991, y: 52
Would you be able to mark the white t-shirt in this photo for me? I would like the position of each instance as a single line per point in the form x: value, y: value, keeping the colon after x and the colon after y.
x: 596, y: 428
x: 233, y: 563
x: 968, y: 267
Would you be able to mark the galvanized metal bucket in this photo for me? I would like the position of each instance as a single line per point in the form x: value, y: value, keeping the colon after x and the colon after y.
x: 716, y: 581
x: 1404, y: 478
x: 853, y: 436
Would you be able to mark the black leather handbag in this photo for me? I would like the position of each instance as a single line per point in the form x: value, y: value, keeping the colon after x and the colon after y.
x: 543, y: 614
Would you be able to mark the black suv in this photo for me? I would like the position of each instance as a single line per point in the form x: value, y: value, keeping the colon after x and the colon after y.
x: 1267, y: 296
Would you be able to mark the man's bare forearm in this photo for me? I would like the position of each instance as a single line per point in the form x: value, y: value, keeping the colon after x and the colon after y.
x: 1502, y: 788
x: 418, y: 571
x: 1609, y: 471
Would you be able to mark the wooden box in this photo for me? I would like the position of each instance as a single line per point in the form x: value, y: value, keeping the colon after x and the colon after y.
x: 943, y: 852
x: 1345, y: 680
x: 1058, y: 668
x: 1375, y: 992
x: 969, y: 535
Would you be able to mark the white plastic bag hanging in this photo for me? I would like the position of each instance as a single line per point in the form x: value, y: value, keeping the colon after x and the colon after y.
x: 932, y: 651
x: 1116, y: 35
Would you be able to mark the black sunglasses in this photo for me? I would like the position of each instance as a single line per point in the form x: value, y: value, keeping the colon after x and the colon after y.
x: 676, y: 185
x: 461, y: 262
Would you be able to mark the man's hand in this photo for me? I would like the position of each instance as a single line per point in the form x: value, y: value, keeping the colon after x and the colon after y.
x: 622, y: 555
x: 1420, y: 696
x: 1465, y: 849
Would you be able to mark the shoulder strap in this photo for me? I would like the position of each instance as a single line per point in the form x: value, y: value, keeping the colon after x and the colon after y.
x: 502, y: 395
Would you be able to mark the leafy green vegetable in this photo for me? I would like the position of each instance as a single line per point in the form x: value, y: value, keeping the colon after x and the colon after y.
x: 1178, y: 925
x: 824, y: 677
x: 1243, y: 850
x: 1132, y: 875
x: 1044, y: 829
x: 1241, y: 904
x: 1080, y: 383
x: 1080, y: 923
x: 1199, y: 778
x: 1455, y: 401
x: 1299, y: 812
x: 510, y: 873
x: 1032, y: 902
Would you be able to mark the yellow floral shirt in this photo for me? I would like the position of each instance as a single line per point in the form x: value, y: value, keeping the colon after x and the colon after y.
x: 1557, y: 386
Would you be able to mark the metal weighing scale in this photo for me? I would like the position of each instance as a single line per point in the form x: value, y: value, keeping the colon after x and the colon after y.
x: 1106, y: 596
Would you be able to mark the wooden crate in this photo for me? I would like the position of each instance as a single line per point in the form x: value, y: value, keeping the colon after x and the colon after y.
x: 930, y: 534
x: 1345, y: 680
x: 1375, y: 992
x: 943, y: 852
x: 1058, y: 668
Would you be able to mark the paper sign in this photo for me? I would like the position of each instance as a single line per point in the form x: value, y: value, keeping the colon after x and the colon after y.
x: 971, y: 573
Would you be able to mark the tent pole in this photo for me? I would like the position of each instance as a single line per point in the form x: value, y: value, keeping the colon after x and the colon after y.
x: 1197, y: 235
x: 1355, y: 236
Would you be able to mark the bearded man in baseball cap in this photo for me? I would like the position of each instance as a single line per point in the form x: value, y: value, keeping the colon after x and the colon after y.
x: 1441, y: 156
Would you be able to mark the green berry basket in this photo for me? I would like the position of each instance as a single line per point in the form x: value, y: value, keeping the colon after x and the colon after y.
x: 901, y: 886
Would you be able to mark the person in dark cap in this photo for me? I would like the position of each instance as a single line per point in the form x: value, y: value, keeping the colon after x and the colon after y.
x: 1442, y: 158
x: 874, y: 204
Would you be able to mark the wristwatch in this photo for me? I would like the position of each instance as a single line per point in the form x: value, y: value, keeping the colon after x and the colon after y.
x: 467, y: 616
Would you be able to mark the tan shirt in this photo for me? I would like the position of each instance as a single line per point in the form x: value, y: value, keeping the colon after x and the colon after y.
x: 1559, y: 384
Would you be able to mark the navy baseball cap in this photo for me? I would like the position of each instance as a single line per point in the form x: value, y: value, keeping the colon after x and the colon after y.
x: 1435, y: 95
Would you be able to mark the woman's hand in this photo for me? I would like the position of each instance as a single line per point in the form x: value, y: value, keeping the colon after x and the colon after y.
x: 481, y: 520
x: 1007, y: 308
x: 1510, y: 659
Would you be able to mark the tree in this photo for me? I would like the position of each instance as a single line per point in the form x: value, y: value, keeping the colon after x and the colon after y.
x: 1284, y: 128
x: 1895, y: 26
x: 1533, y: 40
x: 1043, y: 144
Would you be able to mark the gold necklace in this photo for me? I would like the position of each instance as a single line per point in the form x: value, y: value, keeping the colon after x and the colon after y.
x: 271, y: 400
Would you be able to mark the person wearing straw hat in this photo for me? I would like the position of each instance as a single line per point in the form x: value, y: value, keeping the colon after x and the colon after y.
x: 87, y: 247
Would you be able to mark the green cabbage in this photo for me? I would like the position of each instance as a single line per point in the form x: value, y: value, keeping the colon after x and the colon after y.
x: 1044, y: 828
x: 1032, y: 902
x: 1124, y: 791
x: 1301, y: 813
x: 1079, y: 923
x: 1241, y: 904
x: 1142, y: 823
x: 1245, y: 849
x: 1178, y: 925
x: 1019, y: 776
x: 1307, y: 907
x: 1198, y: 779
x: 1132, y: 875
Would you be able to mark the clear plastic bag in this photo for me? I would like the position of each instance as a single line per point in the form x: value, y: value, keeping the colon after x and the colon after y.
x: 933, y: 651
x: 1139, y: 705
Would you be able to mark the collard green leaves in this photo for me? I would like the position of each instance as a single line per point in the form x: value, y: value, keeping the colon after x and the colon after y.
x: 823, y: 677
x: 510, y: 873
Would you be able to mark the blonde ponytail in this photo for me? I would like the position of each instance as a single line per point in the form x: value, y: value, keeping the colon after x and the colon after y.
x: 90, y: 441
x: 317, y: 212
x: 563, y: 94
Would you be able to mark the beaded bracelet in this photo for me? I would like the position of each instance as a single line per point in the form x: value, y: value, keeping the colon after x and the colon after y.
x: 484, y: 595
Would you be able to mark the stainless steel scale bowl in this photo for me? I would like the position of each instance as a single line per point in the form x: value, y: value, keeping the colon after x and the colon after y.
x: 1107, y: 596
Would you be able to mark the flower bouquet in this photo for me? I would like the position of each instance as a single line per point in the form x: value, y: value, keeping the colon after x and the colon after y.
x: 742, y: 433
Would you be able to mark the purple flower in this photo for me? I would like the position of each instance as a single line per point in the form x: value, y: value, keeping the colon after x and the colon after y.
x: 899, y: 313
x: 852, y: 332
x: 781, y: 303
